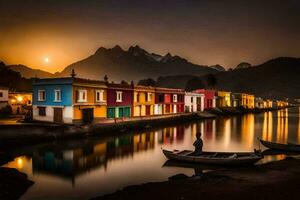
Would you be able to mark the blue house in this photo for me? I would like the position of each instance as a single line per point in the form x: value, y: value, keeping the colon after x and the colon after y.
x: 69, y: 100
x: 52, y: 100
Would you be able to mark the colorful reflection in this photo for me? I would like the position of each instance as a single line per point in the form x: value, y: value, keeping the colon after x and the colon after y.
x: 93, y: 167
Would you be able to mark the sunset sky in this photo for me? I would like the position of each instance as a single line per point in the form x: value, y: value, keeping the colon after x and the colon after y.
x: 51, y: 34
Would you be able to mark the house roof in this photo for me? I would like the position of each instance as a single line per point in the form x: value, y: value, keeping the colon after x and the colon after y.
x: 169, y: 90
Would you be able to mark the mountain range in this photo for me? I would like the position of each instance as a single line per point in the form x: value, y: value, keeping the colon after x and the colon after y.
x: 276, y: 78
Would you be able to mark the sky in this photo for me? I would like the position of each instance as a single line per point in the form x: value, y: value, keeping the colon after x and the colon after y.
x: 51, y: 34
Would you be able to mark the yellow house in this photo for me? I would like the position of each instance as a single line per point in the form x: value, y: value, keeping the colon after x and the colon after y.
x: 89, y: 100
x: 268, y: 103
x: 248, y: 101
x: 224, y: 99
x: 143, y: 101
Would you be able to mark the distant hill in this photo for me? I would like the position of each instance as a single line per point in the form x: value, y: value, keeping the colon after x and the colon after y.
x: 27, y: 72
x: 243, y: 65
x: 218, y: 67
x: 133, y: 64
x: 275, y: 79
x: 13, y: 80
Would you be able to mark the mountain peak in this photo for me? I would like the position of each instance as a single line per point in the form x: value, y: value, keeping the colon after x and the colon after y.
x: 136, y: 50
x: 117, y: 48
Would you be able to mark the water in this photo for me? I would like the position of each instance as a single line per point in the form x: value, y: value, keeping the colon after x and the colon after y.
x: 89, y: 168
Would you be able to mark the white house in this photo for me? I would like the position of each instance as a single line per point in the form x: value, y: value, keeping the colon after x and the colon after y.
x: 3, y: 96
x: 193, y: 102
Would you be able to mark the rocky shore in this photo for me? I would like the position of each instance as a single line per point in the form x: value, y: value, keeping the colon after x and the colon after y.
x: 13, y: 184
x: 276, y: 180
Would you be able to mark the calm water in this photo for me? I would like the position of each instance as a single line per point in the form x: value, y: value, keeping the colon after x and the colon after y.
x: 84, y: 169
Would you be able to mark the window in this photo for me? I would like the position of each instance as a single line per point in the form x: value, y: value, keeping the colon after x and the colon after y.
x: 99, y: 95
x: 1, y: 94
x: 161, y: 98
x: 119, y: 96
x: 41, y: 95
x: 149, y: 96
x: 81, y: 96
x: 42, y: 111
x: 175, y: 98
x: 192, y: 99
x: 57, y: 95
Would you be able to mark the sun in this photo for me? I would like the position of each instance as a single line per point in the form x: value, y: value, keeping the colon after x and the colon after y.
x: 46, y: 60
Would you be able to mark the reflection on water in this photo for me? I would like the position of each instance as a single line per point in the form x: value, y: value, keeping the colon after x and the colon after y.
x: 83, y: 169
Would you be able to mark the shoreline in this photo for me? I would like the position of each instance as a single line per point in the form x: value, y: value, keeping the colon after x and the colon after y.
x: 17, y: 135
x: 266, y: 181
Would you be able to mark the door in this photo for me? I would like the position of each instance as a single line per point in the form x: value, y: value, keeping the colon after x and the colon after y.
x: 127, y: 112
x: 121, y: 112
x: 58, y: 115
x: 168, y: 108
x: 87, y: 115
x: 148, y: 107
x: 111, y: 113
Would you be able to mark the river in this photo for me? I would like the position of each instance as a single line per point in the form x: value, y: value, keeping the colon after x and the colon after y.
x: 87, y: 168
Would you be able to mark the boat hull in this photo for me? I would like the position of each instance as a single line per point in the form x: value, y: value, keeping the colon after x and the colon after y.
x: 281, y: 147
x: 208, y: 158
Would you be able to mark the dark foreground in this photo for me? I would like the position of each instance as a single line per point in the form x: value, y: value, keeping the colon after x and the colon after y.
x: 276, y: 180
x: 13, y: 184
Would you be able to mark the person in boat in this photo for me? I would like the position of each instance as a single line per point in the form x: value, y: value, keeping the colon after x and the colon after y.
x: 198, y: 144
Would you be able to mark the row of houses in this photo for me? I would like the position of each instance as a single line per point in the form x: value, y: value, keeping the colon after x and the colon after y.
x: 77, y: 100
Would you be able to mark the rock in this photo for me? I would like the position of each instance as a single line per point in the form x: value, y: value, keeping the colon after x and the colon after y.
x: 178, y: 177
x: 13, y: 184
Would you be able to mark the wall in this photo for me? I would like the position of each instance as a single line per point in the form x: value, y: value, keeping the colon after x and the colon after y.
x: 5, y: 95
x: 112, y: 95
x: 67, y: 114
x: 66, y: 95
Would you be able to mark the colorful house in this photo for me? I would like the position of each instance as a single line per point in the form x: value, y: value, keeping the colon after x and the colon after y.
x: 168, y: 101
x: 209, y: 98
x: 259, y: 103
x: 120, y: 100
x: 224, y: 99
x: 3, y: 96
x: 242, y: 100
x: 193, y: 102
x: 268, y: 103
x: 20, y: 102
x: 69, y: 100
x: 143, y: 101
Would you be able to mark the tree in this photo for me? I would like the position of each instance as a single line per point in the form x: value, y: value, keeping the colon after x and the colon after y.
x: 194, y: 84
x: 211, y: 81
x: 147, y: 82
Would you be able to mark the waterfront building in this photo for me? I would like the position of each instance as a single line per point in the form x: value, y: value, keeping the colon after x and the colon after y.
x: 20, y: 102
x: 3, y: 97
x: 224, y: 99
x: 268, y: 103
x: 168, y: 101
x: 143, y: 101
x: 69, y: 100
x: 209, y: 98
x: 193, y: 102
x: 120, y: 100
x: 242, y: 100
x: 259, y: 103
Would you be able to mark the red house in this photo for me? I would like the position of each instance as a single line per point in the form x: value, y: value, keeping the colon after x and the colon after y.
x: 168, y: 101
x: 209, y: 98
x: 119, y: 100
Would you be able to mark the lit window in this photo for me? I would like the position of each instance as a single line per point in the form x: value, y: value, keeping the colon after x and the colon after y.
x: 41, y: 95
x: 81, y: 96
x: 99, y: 95
x: 57, y: 95
x: 175, y: 98
x: 119, y: 96
x: 149, y: 96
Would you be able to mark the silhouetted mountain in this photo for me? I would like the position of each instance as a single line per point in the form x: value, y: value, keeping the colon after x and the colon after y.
x: 218, y: 67
x: 13, y: 80
x: 275, y: 79
x: 133, y: 64
x: 243, y: 65
x: 27, y: 72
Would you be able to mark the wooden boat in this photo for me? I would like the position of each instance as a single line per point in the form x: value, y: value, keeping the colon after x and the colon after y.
x: 214, y: 158
x: 283, y: 147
